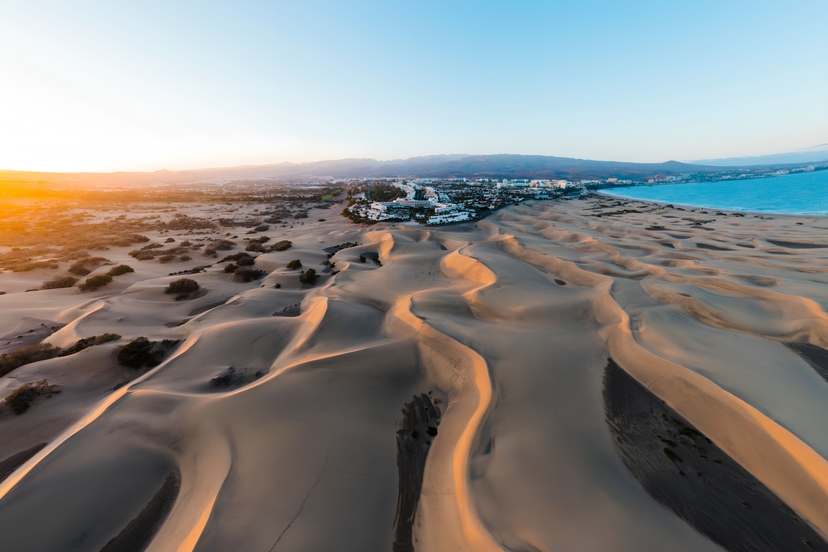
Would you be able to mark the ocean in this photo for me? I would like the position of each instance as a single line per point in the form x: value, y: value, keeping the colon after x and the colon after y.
x: 799, y: 194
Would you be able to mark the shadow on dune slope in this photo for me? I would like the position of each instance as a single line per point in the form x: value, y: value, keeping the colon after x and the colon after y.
x: 688, y: 474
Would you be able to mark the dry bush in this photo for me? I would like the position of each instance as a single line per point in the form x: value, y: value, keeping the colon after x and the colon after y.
x: 246, y: 274
x: 183, y: 285
x: 120, y: 269
x: 21, y: 398
x: 282, y: 245
x: 95, y: 282
x: 26, y: 355
x: 294, y: 264
x: 79, y: 270
x: 33, y: 265
x: 86, y: 342
x: 308, y: 277
x: 59, y: 282
x: 142, y: 352
x: 166, y: 258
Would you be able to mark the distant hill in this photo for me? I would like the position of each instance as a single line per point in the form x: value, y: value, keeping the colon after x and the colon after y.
x: 815, y: 154
x: 459, y: 165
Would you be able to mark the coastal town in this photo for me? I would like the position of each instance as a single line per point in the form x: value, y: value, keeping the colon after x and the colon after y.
x: 434, y: 201
x: 439, y: 201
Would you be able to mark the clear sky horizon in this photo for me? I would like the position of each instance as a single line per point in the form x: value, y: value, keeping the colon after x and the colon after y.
x: 103, y: 86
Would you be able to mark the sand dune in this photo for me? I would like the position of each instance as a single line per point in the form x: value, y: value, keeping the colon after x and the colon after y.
x: 440, y: 389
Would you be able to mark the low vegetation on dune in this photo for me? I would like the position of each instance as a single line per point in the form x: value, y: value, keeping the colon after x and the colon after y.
x: 22, y: 398
x: 281, y: 245
x: 84, y: 266
x: 94, y: 282
x: 141, y: 352
x: 247, y: 274
x: 257, y: 244
x: 294, y: 264
x: 86, y: 342
x: 183, y: 285
x: 241, y: 258
x: 26, y: 355
x: 45, y: 351
x: 59, y: 282
x: 120, y: 270
x: 308, y: 277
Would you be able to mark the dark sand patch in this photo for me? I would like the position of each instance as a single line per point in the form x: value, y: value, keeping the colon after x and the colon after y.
x: 290, y: 310
x: 14, y: 461
x: 702, y: 245
x: 417, y: 429
x: 138, y: 533
x: 207, y: 307
x: 232, y: 378
x: 796, y: 244
x: 758, y: 280
x: 817, y: 357
x: 684, y: 471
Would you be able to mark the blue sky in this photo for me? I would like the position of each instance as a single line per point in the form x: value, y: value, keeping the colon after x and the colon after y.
x: 149, y: 85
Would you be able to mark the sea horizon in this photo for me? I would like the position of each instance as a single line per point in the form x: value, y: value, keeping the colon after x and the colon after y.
x: 789, y: 194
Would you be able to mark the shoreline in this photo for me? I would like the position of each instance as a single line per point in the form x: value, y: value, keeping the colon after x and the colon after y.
x: 604, y: 193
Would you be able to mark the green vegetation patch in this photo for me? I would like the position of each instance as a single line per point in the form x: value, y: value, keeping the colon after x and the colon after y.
x: 95, y: 282
x: 120, y: 270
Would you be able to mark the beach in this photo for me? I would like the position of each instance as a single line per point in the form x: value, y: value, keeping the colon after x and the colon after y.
x: 596, y: 374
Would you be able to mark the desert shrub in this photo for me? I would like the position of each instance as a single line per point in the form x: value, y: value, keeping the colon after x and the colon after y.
x: 166, y: 258
x: 33, y: 265
x: 142, y: 255
x: 300, y: 216
x: 21, y: 398
x: 78, y: 269
x: 255, y: 246
x: 122, y: 242
x: 186, y: 243
x: 152, y: 246
x: 224, y: 245
x: 308, y: 277
x: 142, y: 352
x: 86, y: 342
x: 210, y: 251
x: 95, y: 282
x: 169, y: 240
x: 230, y: 267
x: 59, y: 282
x: 241, y: 258
x: 262, y: 228
x: 182, y: 285
x: 184, y: 257
x: 281, y: 245
x: 246, y: 274
x: 294, y: 264
x: 26, y: 355
x: 120, y: 270
x: 362, y: 258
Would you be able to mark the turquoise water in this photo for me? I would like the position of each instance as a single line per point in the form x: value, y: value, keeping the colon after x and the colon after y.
x: 800, y: 193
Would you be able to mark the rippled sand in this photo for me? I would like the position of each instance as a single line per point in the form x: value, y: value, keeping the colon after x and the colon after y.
x: 507, y: 324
